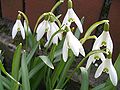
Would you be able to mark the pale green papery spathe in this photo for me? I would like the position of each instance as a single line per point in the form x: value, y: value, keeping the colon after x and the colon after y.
x: 50, y: 28
x: 107, y: 67
x: 72, y: 17
x: 71, y: 42
x: 18, y: 27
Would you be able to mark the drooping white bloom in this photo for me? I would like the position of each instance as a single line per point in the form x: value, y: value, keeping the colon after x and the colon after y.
x: 50, y: 28
x: 104, y: 39
x: 70, y: 15
x: 18, y: 27
x: 108, y: 67
x: 71, y: 42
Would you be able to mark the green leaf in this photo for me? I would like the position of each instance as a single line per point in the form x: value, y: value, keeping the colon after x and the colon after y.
x: 47, y: 61
x: 35, y: 70
x: 99, y: 87
x: 1, y: 85
x: 57, y: 72
x: 5, y: 82
x: 117, y: 66
x: 85, y: 80
x: 7, y: 74
x: 16, y: 61
x: 25, y: 78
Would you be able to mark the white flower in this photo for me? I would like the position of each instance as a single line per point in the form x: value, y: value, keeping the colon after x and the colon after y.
x: 71, y: 42
x: 18, y: 27
x: 108, y: 67
x: 50, y: 28
x: 93, y: 58
x: 70, y: 15
x: 104, y: 39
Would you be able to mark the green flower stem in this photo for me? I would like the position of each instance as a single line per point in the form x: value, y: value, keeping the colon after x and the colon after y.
x: 81, y: 63
x: 56, y: 19
x: 56, y: 5
x: 92, y: 28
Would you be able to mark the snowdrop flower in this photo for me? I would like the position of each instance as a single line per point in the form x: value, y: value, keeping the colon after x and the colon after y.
x: 108, y: 67
x: 50, y: 28
x: 72, y: 17
x: 18, y: 27
x: 71, y: 42
x: 103, y: 39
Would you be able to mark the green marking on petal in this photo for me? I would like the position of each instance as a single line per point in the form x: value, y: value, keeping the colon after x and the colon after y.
x: 71, y: 20
x: 96, y: 57
x: 104, y: 43
x: 106, y: 70
x: 18, y: 28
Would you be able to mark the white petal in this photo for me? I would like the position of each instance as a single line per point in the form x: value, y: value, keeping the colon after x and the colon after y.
x: 112, y: 74
x: 77, y: 20
x: 89, y: 61
x: 73, y: 43
x: 39, y: 26
x: 53, y: 30
x: 99, y: 70
x: 14, y: 30
x: 65, y: 51
x: 98, y: 41
x: 101, y: 56
x: 41, y: 30
x: 65, y: 20
x: 57, y: 28
x: 81, y: 49
x: 109, y: 42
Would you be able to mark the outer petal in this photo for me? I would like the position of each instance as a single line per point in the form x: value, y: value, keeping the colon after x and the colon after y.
x: 109, y: 42
x: 15, y: 29
x: 65, y: 50
x: 89, y: 61
x: 57, y: 28
x: 112, y: 73
x: 77, y: 20
x: 98, y: 41
x: 102, y: 57
x: 41, y: 30
x: 39, y: 26
x: 65, y: 20
x: 73, y: 43
x: 53, y: 30
x: 99, y: 70
x: 81, y: 49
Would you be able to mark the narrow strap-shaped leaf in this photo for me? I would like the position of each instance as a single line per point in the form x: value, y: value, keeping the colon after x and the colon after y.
x: 7, y: 74
x: 117, y: 66
x: 47, y: 61
x: 57, y: 72
x: 85, y: 80
x: 1, y: 84
x: 5, y: 82
x: 16, y: 61
x: 25, y: 78
x: 35, y: 70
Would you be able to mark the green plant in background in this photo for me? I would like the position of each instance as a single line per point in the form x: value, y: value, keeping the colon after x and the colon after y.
x: 32, y: 70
